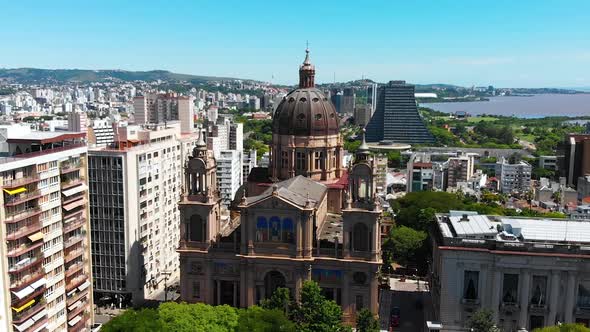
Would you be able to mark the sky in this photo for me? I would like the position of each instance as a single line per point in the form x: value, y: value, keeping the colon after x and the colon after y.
x: 524, y: 43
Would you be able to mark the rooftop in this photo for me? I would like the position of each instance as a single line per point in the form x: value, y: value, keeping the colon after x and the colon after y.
x: 45, y: 137
x: 468, y: 225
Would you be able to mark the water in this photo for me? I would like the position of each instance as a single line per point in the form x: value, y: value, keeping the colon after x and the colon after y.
x: 536, y: 106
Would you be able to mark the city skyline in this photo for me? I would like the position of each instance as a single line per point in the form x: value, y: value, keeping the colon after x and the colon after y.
x: 524, y: 44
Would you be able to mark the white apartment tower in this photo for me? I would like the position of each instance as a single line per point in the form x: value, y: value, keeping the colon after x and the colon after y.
x: 134, y: 192
x: 45, y: 271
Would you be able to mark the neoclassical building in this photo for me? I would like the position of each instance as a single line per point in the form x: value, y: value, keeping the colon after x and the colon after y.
x: 304, y: 217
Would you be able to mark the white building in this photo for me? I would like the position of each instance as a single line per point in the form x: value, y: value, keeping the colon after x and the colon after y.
x: 160, y: 108
x: 134, y: 192
x: 101, y: 133
x: 229, y: 174
x: 513, y: 177
x: 249, y: 162
x: 530, y: 272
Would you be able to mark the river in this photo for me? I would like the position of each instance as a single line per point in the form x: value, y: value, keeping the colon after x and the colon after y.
x: 536, y: 106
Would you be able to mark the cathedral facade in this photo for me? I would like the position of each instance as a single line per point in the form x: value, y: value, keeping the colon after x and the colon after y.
x: 305, y: 217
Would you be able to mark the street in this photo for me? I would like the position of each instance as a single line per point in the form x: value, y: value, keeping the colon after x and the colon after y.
x: 414, y: 303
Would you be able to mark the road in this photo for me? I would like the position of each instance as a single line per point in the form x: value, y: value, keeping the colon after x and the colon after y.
x: 406, y: 296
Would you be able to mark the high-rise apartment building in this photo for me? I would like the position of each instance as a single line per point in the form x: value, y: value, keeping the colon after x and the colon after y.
x: 574, y: 160
x: 249, y: 162
x: 229, y: 174
x: 134, y: 190
x: 161, y: 108
x: 45, y: 274
x: 77, y: 121
x: 396, y: 116
x: 459, y: 169
x: 513, y: 176
x: 101, y: 133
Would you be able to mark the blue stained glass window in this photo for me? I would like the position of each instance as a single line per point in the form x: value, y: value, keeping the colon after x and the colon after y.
x: 287, y: 224
x: 261, y: 223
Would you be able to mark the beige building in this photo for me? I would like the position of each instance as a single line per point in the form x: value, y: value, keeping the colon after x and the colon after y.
x: 530, y: 272
x: 45, y: 270
x: 302, y: 218
x: 134, y: 190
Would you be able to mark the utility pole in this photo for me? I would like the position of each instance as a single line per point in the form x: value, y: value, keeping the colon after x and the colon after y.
x: 166, y: 273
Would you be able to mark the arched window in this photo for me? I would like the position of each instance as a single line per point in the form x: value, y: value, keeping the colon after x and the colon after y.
x: 196, y: 229
x: 360, y: 237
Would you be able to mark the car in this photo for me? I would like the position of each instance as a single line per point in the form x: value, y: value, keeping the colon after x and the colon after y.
x: 394, y: 317
x: 95, y: 327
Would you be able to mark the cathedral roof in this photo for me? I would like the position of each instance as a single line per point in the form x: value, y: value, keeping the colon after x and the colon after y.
x: 305, y: 111
x: 299, y: 191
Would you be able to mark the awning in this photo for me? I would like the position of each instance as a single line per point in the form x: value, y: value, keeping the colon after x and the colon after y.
x: 84, y: 285
x: 71, y: 292
x: 42, y: 327
x: 24, y: 306
x: 15, y: 191
x: 40, y: 315
x: 21, y: 294
x: 75, y: 305
x: 25, y: 325
x: 75, y: 204
x: 36, y: 237
x: 39, y: 283
x: 75, y: 190
x: 75, y: 320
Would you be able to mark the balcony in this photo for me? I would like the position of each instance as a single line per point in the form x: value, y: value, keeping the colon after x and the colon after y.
x: 73, y: 254
x: 80, y: 324
x: 70, y: 167
x: 20, y: 181
x: 73, y: 299
x: 21, y: 282
x: 21, y: 198
x: 510, y: 306
x: 75, y: 224
x: 78, y: 309
x: 76, y: 282
x: 24, y: 264
x: 68, y: 183
x: 22, y: 214
x: 74, y: 268
x: 73, y: 240
x: 470, y: 303
x: 24, y: 313
x: 23, y: 249
x: 24, y: 231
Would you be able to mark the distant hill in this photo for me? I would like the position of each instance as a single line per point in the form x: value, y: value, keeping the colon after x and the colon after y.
x: 35, y: 75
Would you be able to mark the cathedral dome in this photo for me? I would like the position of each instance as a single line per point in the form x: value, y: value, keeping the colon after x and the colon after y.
x: 305, y: 111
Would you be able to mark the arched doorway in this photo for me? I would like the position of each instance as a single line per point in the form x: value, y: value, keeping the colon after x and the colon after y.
x: 272, y: 281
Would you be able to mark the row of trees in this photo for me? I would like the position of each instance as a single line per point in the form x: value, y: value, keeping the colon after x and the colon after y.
x: 483, y: 321
x: 313, y: 313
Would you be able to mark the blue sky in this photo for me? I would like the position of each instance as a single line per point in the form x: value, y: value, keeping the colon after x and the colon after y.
x: 505, y: 43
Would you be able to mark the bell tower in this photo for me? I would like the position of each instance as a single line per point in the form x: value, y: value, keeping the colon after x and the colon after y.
x: 361, y: 215
x: 200, y: 203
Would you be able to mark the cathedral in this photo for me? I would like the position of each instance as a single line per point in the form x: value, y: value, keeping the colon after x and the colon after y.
x: 305, y: 217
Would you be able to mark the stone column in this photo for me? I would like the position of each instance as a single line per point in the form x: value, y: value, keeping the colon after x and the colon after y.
x: 345, y: 241
x: 346, y: 293
x: 374, y: 294
x: 299, y: 236
x: 243, y: 284
x: 553, y: 297
x: 208, y: 282
x: 569, y: 297
x: 235, y: 293
x: 524, y: 300
x: 218, y: 293
x: 496, y: 292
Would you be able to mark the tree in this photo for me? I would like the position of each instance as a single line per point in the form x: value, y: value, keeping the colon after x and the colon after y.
x: 280, y: 300
x: 257, y: 319
x: 405, y: 243
x: 134, y: 320
x: 482, y: 321
x: 197, y: 317
x: 564, y: 328
x: 315, y: 313
x: 366, y: 321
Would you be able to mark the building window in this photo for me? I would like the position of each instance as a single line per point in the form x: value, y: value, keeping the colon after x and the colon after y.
x: 359, y: 302
x: 584, y: 294
x: 196, y: 229
x: 300, y: 162
x: 318, y: 158
x: 470, y: 285
x: 539, y: 291
x: 196, y: 289
x: 510, y: 288
x: 360, y: 237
